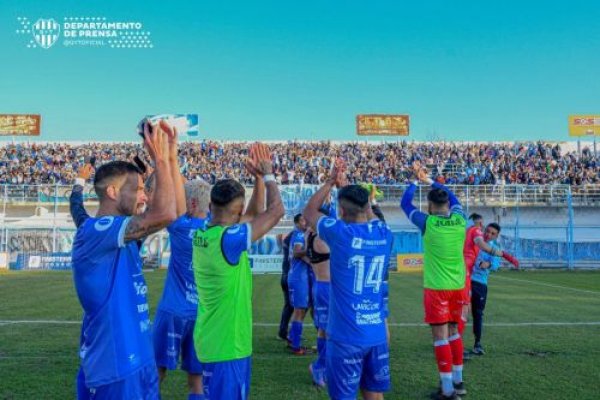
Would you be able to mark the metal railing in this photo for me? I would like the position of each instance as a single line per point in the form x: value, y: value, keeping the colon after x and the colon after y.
x: 470, y: 195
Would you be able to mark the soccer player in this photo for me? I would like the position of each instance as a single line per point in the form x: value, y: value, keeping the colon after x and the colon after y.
x: 443, y: 231
x: 223, y: 331
x: 287, y: 310
x: 318, y: 253
x: 116, y: 352
x: 298, y: 283
x: 357, y: 355
x: 475, y: 242
x: 178, y: 307
x: 483, y: 265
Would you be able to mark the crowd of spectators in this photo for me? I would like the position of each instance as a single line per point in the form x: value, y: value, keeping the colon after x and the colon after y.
x: 389, y: 163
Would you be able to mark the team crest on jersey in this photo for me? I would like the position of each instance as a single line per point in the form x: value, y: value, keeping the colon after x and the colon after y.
x: 329, y: 222
x: 234, y: 229
x: 103, y: 223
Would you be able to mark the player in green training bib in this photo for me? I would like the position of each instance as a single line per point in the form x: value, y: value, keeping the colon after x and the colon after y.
x: 223, y: 330
x: 444, y: 273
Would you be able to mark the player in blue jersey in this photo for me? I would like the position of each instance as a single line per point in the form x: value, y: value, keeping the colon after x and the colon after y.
x: 298, y: 283
x: 177, y: 309
x: 357, y: 355
x: 117, y: 358
x: 318, y: 253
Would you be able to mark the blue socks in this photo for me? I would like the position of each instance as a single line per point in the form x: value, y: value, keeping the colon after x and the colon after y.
x: 321, y: 347
x: 296, y: 334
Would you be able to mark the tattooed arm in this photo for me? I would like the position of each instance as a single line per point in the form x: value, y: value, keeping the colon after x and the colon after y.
x: 162, y: 210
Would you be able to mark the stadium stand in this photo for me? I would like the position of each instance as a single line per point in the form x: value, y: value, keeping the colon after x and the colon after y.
x: 529, y: 163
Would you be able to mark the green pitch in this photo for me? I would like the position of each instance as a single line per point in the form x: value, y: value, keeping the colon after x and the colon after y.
x: 542, y: 338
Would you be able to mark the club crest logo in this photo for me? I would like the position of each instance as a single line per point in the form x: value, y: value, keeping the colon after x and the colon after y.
x: 45, y: 32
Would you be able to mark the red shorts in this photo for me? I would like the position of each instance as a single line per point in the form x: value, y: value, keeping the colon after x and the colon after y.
x: 466, y: 292
x: 443, y: 306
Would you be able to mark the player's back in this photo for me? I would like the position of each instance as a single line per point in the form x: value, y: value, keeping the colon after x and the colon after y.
x: 443, y: 244
x: 359, y: 256
x: 223, y: 329
x: 107, y: 273
x: 180, y: 296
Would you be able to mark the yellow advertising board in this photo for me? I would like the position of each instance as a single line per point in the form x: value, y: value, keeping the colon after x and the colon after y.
x: 20, y: 124
x: 410, y: 262
x: 584, y: 125
x: 382, y: 125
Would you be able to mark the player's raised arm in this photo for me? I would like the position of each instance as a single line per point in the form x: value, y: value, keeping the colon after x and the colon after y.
x: 312, y: 211
x: 76, y: 207
x: 256, y: 205
x: 177, y: 178
x: 266, y: 220
x: 162, y: 210
x: 413, y: 214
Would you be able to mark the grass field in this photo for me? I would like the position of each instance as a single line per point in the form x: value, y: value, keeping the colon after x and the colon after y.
x: 542, y: 337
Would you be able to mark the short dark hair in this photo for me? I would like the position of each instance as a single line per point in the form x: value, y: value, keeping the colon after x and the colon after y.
x: 353, y: 199
x: 495, y: 226
x: 297, y: 218
x: 475, y: 217
x: 110, y: 171
x: 438, y: 196
x: 225, y: 191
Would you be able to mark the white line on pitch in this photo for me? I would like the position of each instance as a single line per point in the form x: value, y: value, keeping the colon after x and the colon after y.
x: 548, y: 285
x: 274, y: 324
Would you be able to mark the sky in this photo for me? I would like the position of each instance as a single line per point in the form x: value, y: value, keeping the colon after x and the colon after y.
x: 275, y: 70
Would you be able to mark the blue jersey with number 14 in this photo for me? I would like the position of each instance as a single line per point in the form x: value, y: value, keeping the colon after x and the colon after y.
x: 360, y: 255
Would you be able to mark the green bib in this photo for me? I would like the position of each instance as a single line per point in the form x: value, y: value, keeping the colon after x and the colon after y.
x: 443, y: 261
x: 223, y: 329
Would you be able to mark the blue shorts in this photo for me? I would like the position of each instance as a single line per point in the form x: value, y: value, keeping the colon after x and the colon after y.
x: 142, y: 385
x: 227, y: 380
x: 321, y: 304
x: 174, y: 336
x: 298, y: 287
x: 352, y: 367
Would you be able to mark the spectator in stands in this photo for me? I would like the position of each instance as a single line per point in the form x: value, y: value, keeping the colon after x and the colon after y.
x: 527, y: 163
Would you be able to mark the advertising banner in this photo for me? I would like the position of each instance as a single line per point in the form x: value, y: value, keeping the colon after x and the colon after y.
x: 265, y: 264
x: 410, y: 262
x: 20, y: 124
x: 584, y: 125
x: 51, y: 261
x: 382, y: 125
